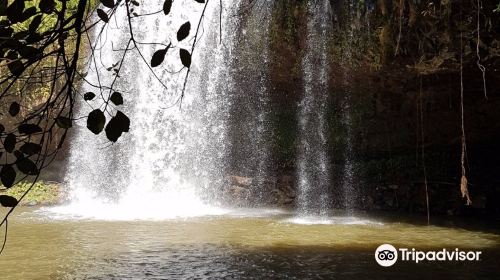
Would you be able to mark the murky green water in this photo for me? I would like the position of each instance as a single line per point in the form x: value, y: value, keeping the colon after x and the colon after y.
x: 244, y: 245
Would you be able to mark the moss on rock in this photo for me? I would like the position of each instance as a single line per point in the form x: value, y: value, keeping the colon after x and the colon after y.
x: 42, y: 193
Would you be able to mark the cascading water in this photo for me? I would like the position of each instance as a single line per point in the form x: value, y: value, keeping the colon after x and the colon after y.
x: 174, y: 158
x: 313, y: 162
x: 348, y: 178
x: 251, y: 128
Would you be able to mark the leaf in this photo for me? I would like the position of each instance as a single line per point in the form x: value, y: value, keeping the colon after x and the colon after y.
x: 15, y: 11
x: 26, y: 166
x: 135, y: 3
x: 7, y: 175
x: 158, y: 57
x: 14, y: 109
x: 30, y: 148
x: 29, y: 128
x: 9, y: 143
x: 200, y: 1
x: 88, y: 96
x: 96, y: 121
x: 28, y: 52
x: 16, y: 67
x: 102, y: 15
x: 117, y: 125
x: 47, y: 6
x: 28, y: 13
x: 183, y: 31
x: 8, y: 201
x: 108, y: 3
x: 116, y: 98
x: 167, y: 6
x: 63, y: 122
x: 35, y: 23
x: 3, y: 7
x: 185, y: 57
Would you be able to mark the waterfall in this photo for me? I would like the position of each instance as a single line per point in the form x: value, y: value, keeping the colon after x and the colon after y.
x: 348, y: 183
x: 251, y: 126
x: 313, y: 167
x: 174, y: 159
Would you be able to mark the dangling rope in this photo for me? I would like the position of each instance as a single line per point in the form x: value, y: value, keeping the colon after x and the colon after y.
x: 478, y: 62
x: 423, y: 153
x: 463, y: 182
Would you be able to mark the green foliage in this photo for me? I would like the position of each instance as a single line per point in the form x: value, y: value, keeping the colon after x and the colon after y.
x: 42, y: 193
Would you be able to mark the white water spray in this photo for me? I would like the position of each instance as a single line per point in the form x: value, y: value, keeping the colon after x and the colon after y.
x: 174, y: 159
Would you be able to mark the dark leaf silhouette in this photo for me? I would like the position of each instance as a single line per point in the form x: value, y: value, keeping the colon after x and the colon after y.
x: 96, y: 121
x: 28, y: 13
x: 16, y: 67
x: 8, y: 175
x: 135, y: 3
x: 116, y: 98
x: 63, y: 122
x: 28, y: 52
x: 30, y: 148
x: 14, y: 109
x: 15, y: 11
x: 200, y: 1
x: 8, y: 201
x: 29, y: 128
x: 102, y: 15
x: 35, y: 23
x: 167, y: 6
x: 183, y: 31
x: 185, y: 57
x: 3, y: 7
x: 9, y: 144
x: 117, y: 125
x: 158, y: 57
x: 88, y: 96
x: 47, y: 6
x: 108, y: 3
x: 26, y: 166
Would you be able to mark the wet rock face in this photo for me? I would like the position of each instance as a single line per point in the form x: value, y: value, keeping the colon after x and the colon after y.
x: 246, y: 192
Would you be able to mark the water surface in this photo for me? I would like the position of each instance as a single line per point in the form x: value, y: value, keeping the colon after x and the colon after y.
x: 256, y: 244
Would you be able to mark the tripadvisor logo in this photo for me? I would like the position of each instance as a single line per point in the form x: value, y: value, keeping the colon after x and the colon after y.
x: 387, y: 255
